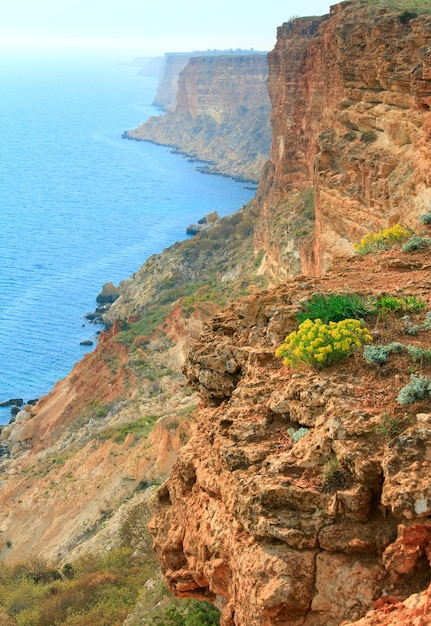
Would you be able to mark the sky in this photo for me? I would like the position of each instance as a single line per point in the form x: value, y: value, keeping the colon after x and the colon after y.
x: 149, y: 27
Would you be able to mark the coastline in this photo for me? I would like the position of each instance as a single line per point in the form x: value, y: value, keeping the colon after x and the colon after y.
x: 87, y: 177
x: 209, y: 167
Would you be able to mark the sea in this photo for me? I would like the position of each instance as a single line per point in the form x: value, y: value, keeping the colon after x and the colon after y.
x: 80, y: 205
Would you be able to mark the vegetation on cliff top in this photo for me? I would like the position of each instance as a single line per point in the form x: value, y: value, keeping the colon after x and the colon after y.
x: 320, y: 345
x: 330, y: 329
x: 384, y: 239
x: 97, y: 590
x: 423, y: 6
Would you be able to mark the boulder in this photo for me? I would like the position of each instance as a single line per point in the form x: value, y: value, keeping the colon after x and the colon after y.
x: 12, y: 402
x: 194, y: 229
x: 205, y: 223
x: 108, y: 295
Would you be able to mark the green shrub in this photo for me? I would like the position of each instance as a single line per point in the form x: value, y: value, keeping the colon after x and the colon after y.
x: 98, y: 591
x: 425, y: 218
x: 390, y: 303
x: 335, y: 477
x: 389, y: 426
x: 414, y: 329
x: 419, y: 354
x: 335, y: 307
x: 416, y: 242
x: 188, y: 613
x: 308, y: 198
x: 377, y: 355
x: 413, y: 304
x: 403, y: 5
x: 319, y: 344
x: 140, y: 429
x: 414, y: 390
x: 406, y: 16
x: 382, y: 240
x: 145, y: 326
x: 297, y: 433
x: 406, y: 304
x: 245, y: 228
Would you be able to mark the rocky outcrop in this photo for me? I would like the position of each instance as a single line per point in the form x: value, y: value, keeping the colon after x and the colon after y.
x: 351, y: 97
x: 221, y: 114
x: 295, y: 501
x: 222, y: 255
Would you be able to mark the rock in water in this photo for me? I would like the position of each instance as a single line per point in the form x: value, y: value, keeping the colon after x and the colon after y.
x: 12, y: 402
x: 108, y: 295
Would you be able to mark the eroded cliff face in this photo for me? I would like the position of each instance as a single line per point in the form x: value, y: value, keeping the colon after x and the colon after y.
x: 308, y: 530
x: 221, y: 115
x: 351, y: 97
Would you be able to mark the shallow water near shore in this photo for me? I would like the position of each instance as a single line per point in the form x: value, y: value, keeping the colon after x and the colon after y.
x: 80, y: 206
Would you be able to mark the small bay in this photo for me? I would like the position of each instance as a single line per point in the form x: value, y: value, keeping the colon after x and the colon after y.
x: 79, y: 205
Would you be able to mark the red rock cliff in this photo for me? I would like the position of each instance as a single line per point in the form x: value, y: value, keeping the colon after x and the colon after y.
x: 323, y: 529
x: 351, y: 97
x: 295, y: 502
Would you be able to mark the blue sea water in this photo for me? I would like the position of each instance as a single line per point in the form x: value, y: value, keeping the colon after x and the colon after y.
x: 79, y: 205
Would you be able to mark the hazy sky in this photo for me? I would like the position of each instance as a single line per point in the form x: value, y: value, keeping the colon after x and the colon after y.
x: 146, y: 26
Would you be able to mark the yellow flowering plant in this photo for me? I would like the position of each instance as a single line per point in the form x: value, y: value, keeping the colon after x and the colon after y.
x: 319, y: 344
x: 382, y: 240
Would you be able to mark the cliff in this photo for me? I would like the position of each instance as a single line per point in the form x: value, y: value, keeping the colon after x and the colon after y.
x: 79, y: 461
x: 295, y: 497
x: 303, y: 496
x: 149, y: 66
x: 350, y: 95
x: 171, y: 68
x: 221, y: 114
x: 317, y: 530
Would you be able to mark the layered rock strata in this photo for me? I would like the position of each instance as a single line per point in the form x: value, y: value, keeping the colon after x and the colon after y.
x: 221, y: 115
x: 351, y: 97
